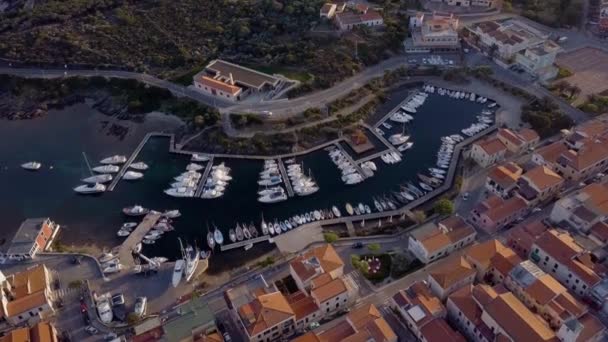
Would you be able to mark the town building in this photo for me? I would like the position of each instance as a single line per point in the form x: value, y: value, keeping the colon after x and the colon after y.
x: 449, y: 275
x: 518, y: 141
x: 364, y: 323
x: 543, y: 294
x: 233, y: 82
x: 514, y: 42
x: 433, y: 33
x: 269, y: 317
x: 196, y: 322
x: 328, y: 11
x: 423, y: 314
x: 585, y: 328
x: 488, y: 151
x: 494, y: 213
x: 588, y: 160
x: 316, y: 262
x: 26, y: 296
x: 599, y: 233
x: 447, y: 236
x: 548, y: 155
x: 502, y: 179
x: 475, y: 3
x: 521, y: 237
x: 465, y: 313
x: 539, y: 184
x: 33, y: 236
x: 362, y: 16
x: 41, y: 332
x: 582, y: 209
x: 559, y: 255
x: 491, y: 260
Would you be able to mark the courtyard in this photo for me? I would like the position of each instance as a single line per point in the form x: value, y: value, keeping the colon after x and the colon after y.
x: 589, y: 67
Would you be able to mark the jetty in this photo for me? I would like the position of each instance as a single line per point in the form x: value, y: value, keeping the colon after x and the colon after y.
x: 201, y: 184
x: 350, y: 159
x: 244, y: 243
x: 382, y: 139
x: 285, y: 177
x: 125, y: 250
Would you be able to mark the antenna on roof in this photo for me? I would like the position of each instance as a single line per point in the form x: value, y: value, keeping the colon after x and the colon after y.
x: 231, y: 79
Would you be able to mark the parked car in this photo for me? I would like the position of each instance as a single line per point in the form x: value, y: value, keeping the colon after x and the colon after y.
x: 465, y: 196
x: 140, y: 306
x: 227, y: 337
x: 118, y: 299
x: 91, y: 330
x: 357, y: 245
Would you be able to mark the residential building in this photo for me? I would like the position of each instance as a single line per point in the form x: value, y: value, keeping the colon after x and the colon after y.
x: 328, y: 11
x: 227, y: 90
x: 465, y: 313
x: 599, y: 233
x: 588, y: 160
x: 539, y: 184
x: 474, y: 3
x: 582, y: 209
x: 450, y: 275
x: 488, y: 151
x: 424, y: 314
x: 269, y: 317
x: 521, y: 237
x: 518, y: 141
x: 306, y: 310
x: 315, y: 262
x: 491, y: 260
x: 586, y: 328
x: 33, y: 236
x: 494, y: 213
x: 539, y: 60
x: 548, y: 155
x: 558, y: 254
x: 196, y: 322
x: 543, y: 294
x: 348, y: 20
x: 433, y: 33
x: 502, y: 179
x: 329, y: 295
x: 364, y: 323
x: 26, y: 296
x: 41, y: 332
x: 448, y: 235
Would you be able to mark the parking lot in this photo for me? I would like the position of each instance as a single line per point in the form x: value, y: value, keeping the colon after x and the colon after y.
x: 451, y: 59
x: 590, y: 69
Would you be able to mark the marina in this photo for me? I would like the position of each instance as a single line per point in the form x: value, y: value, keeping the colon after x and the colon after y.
x: 127, y: 248
x: 285, y: 177
x: 199, y: 190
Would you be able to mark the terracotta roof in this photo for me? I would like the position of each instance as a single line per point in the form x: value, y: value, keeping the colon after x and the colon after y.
x: 320, y: 280
x: 517, y: 320
x: 418, y: 294
x: 567, y: 306
x: 325, y: 256
x: 509, y: 135
x: 450, y: 231
x: 438, y: 330
x: 348, y: 18
x: 304, y: 306
x: 591, y: 153
x: 595, y: 197
x: 485, y: 254
x: 525, y: 234
x: 27, y: 290
x: 370, y: 15
x: 528, y: 134
x: 308, y: 337
x: 451, y: 271
x: 367, y: 318
x: 600, y: 231
x: 551, y: 152
x: 264, y: 312
x: 338, y: 332
x: 506, y: 208
x: 328, y: 291
x: 491, y: 146
x: 544, y: 289
x: 542, y: 177
x: 505, y: 261
x: 463, y: 300
x: 590, y: 326
x: 505, y: 175
x: 219, y: 85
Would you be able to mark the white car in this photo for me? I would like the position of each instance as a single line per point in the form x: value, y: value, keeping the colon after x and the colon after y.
x: 140, y: 306
x: 91, y: 330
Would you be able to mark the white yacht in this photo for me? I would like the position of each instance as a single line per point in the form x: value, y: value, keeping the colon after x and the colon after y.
x: 405, y: 146
x: 132, y: 175
x: 398, y: 139
x: 139, y: 166
x: 32, y: 166
x: 336, y: 211
x: 172, y: 213
x: 106, y: 169
x: 199, y: 157
x: 212, y: 193
x: 104, y: 309
x: 178, y: 272
x: 117, y: 159
x: 102, y: 178
x: 140, y: 306
x: 136, y: 210
x: 194, y: 167
x: 90, y: 189
x: 113, y: 268
x: 180, y: 192
x: 191, y: 257
x: 273, y: 197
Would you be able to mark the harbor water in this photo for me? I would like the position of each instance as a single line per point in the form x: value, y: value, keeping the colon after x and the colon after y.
x: 60, y: 138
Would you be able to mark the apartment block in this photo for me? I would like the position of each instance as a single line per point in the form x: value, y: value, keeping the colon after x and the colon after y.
x: 582, y: 209
x: 502, y: 179
x: 447, y: 236
x: 539, y: 184
x: 491, y: 260
x: 518, y: 141
x: 488, y: 151
x: 494, y: 213
x: 449, y: 275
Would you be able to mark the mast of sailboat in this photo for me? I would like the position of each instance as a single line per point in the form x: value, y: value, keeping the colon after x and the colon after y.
x: 87, y: 162
x: 181, y: 248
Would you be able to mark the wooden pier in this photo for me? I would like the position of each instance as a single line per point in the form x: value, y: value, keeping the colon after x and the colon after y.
x: 286, y: 179
x: 244, y: 243
x: 125, y: 251
x: 201, y: 184
x: 371, y: 157
x: 350, y: 159
x: 382, y: 139
x: 394, y: 110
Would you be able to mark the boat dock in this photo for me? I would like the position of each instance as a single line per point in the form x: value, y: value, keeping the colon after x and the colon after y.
x: 395, y: 110
x: 285, y: 177
x: 244, y: 243
x: 371, y: 157
x: 383, y: 140
x: 125, y: 251
x: 201, y: 184
x: 350, y: 159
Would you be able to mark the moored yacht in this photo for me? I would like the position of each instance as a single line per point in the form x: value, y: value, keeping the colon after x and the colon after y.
x: 32, y: 166
x: 106, y: 169
x: 178, y: 271
x: 218, y: 236
x: 116, y: 159
x: 199, y: 157
x: 132, y: 175
x: 90, y: 189
x: 136, y: 210
x: 103, y: 178
x: 139, y: 166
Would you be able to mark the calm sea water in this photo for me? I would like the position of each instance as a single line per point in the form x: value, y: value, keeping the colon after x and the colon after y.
x: 60, y: 138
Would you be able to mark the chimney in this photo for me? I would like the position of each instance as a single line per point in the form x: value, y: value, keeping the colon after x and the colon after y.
x: 231, y: 79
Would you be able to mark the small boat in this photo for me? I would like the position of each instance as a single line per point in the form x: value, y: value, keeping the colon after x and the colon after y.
x: 103, y: 178
x: 199, y: 158
x: 283, y: 226
x: 361, y: 208
x: 434, y: 170
x: 253, y: 230
x: 378, y: 205
x: 349, y: 209
x: 106, y: 169
x: 277, y: 228
x: 178, y: 271
x: 271, y: 229
x: 205, y: 254
x: 148, y: 242
x: 180, y: 192
x: 116, y: 159
x: 210, y: 240
x: 105, y: 257
x: 218, y: 236
x: 232, y: 235
x: 137, y: 249
x: 368, y: 210
x: 264, y: 226
x: 152, y: 237
x: 139, y: 166
x: 90, y: 189
x: 136, y: 210
x: 239, y: 232
x: 246, y: 232
x: 129, y: 225
x: 132, y: 175
x: 172, y: 213
x: 317, y: 215
x: 31, y: 166
x: 194, y: 167
x: 336, y: 211
x: 425, y: 186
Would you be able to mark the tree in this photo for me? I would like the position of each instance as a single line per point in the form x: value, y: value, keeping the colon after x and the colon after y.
x: 330, y: 237
x: 419, y: 216
x: 444, y: 207
x: 574, y: 91
x: 373, y: 247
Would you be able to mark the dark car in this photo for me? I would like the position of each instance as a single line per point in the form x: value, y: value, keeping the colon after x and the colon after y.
x: 358, y: 245
x: 76, y: 260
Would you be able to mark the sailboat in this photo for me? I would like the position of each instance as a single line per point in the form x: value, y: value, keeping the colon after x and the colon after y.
x: 95, y: 188
x: 218, y: 236
x: 210, y: 239
x: 264, y: 226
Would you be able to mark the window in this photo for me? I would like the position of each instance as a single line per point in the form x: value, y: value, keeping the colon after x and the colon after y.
x: 576, y: 281
x: 584, y: 286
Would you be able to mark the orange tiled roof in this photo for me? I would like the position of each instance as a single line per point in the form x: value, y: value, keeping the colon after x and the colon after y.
x: 551, y: 152
x: 506, y: 175
x: 506, y: 208
x: 265, y: 312
x: 454, y: 229
x: 509, y: 135
x: 592, y: 327
x: 543, y: 177
x: 438, y: 330
x: 219, y: 85
x: 308, y: 337
x: 600, y: 231
x: 450, y: 271
x: 463, y: 299
x: 368, y: 318
x: 328, y: 291
x: 528, y: 134
x: 484, y: 253
x: 325, y: 255
x: 491, y: 146
x: 303, y: 307
x: 595, y: 196
x: 591, y: 153
x: 420, y: 295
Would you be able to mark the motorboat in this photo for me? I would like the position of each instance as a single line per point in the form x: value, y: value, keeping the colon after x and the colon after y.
x: 132, y: 175
x: 90, y: 189
x: 218, y: 236
x: 115, y: 268
x: 194, y: 167
x: 434, y: 170
x: 398, y: 139
x: 212, y: 193
x: 271, y: 181
x: 106, y: 169
x: 349, y: 209
x: 246, y: 232
x: 378, y: 205
x: 180, y: 192
x: 425, y: 186
x: 116, y: 159
x: 172, y: 213
x: 102, y: 178
x: 232, y: 235
x: 32, y: 166
x: 191, y: 256
x: 140, y: 306
x: 136, y: 210
x: 123, y: 232
x: 253, y: 230
x: 274, y: 197
x: 239, y: 232
x: 105, y: 257
x: 199, y: 157
x: 264, y: 227
x: 148, y: 242
x: 336, y: 211
x: 405, y: 146
x: 139, y: 166
x: 178, y: 271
